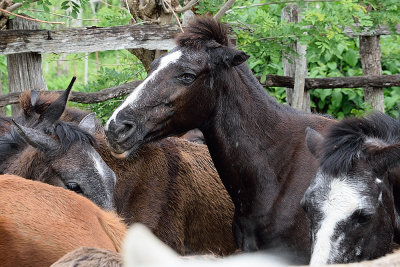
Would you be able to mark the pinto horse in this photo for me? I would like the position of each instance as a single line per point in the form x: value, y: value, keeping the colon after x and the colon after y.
x: 257, y: 145
x: 171, y: 186
x: 58, y: 153
x: 352, y: 203
x: 40, y: 223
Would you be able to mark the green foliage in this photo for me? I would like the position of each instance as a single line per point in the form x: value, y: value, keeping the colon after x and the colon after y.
x: 260, y: 33
x: 106, y: 78
x: 73, y: 6
x: 113, y: 16
x: 209, y: 6
x: 330, y: 53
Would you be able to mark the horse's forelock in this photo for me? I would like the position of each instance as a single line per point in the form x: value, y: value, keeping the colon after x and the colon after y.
x: 204, y: 32
x: 69, y: 134
x: 345, y: 140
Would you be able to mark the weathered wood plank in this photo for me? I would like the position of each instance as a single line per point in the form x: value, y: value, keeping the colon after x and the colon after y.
x: 336, y: 82
x: 370, y: 53
x: 368, y: 31
x: 289, y: 14
x: 81, y: 97
x: 88, y: 39
x: 24, y: 70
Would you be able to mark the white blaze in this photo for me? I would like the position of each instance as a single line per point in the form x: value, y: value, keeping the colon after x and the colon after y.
x: 134, y: 97
x: 342, y: 201
x: 98, y: 163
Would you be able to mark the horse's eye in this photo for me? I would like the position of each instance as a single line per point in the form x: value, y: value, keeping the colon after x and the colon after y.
x: 187, y: 78
x: 361, y: 217
x: 74, y: 187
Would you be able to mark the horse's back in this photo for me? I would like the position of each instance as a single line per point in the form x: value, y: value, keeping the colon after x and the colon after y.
x: 40, y: 223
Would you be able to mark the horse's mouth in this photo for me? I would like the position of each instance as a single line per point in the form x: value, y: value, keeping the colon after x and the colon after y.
x: 126, y: 153
x: 123, y: 155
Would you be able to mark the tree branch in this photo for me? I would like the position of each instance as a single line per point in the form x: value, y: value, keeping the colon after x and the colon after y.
x: 223, y: 9
x: 278, y: 3
x: 23, y: 17
x: 187, y: 7
x: 271, y: 81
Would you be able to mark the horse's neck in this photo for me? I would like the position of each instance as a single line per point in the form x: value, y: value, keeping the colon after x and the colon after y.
x: 243, y: 140
x: 28, y: 164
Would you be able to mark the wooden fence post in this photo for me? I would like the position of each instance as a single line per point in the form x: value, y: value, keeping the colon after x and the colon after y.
x: 296, y: 97
x: 2, y: 110
x: 24, y: 70
x: 370, y: 53
x: 289, y: 14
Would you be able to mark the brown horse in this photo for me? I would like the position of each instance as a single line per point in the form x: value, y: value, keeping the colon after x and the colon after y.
x: 257, y: 145
x: 58, y: 153
x: 40, y: 223
x: 171, y: 186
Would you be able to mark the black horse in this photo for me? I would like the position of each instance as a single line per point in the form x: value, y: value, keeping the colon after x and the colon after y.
x: 352, y: 203
x: 257, y: 145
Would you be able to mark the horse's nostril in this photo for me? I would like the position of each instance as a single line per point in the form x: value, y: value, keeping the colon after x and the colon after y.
x: 125, y: 131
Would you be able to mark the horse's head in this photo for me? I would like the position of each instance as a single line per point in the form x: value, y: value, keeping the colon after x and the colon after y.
x: 349, y: 203
x: 180, y: 92
x: 64, y: 154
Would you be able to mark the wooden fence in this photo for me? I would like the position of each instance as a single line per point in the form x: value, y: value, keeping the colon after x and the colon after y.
x: 152, y: 37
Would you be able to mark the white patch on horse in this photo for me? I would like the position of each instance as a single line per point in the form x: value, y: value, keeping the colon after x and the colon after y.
x: 375, y: 142
x: 99, y: 163
x: 378, y: 181
x: 341, y: 202
x: 134, y: 97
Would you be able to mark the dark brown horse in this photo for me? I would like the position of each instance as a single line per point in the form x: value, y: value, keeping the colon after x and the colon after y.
x: 58, y: 153
x: 257, y: 145
x: 352, y: 203
x: 40, y: 223
x: 171, y: 186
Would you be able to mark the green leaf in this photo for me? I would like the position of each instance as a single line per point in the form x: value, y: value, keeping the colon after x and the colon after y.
x: 332, y: 65
x: 337, y: 97
x: 74, y: 14
x: 263, y: 78
x: 351, y: 57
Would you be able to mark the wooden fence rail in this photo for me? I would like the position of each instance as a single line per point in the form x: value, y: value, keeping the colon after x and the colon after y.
x: 271, y: 81
x: 91, y: 39
x: 88, y: 39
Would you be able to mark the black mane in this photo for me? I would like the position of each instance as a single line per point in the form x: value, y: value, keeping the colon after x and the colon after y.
x: 67, y: 134
x: 203, y: 32
x: 345, y: 140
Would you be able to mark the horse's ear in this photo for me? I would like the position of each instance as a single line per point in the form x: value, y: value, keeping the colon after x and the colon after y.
x: 314, y: 141
x: 36, y: 138
x: 234, y: 57
x: 229, y: 57
x: 34, y: 97
x: 56, y: 109
x: 88, y: 123
x: 381, y: 156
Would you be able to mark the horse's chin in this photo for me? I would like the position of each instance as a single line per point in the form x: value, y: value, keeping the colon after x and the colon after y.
x: 127, y: 153
x: 123, y: 155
